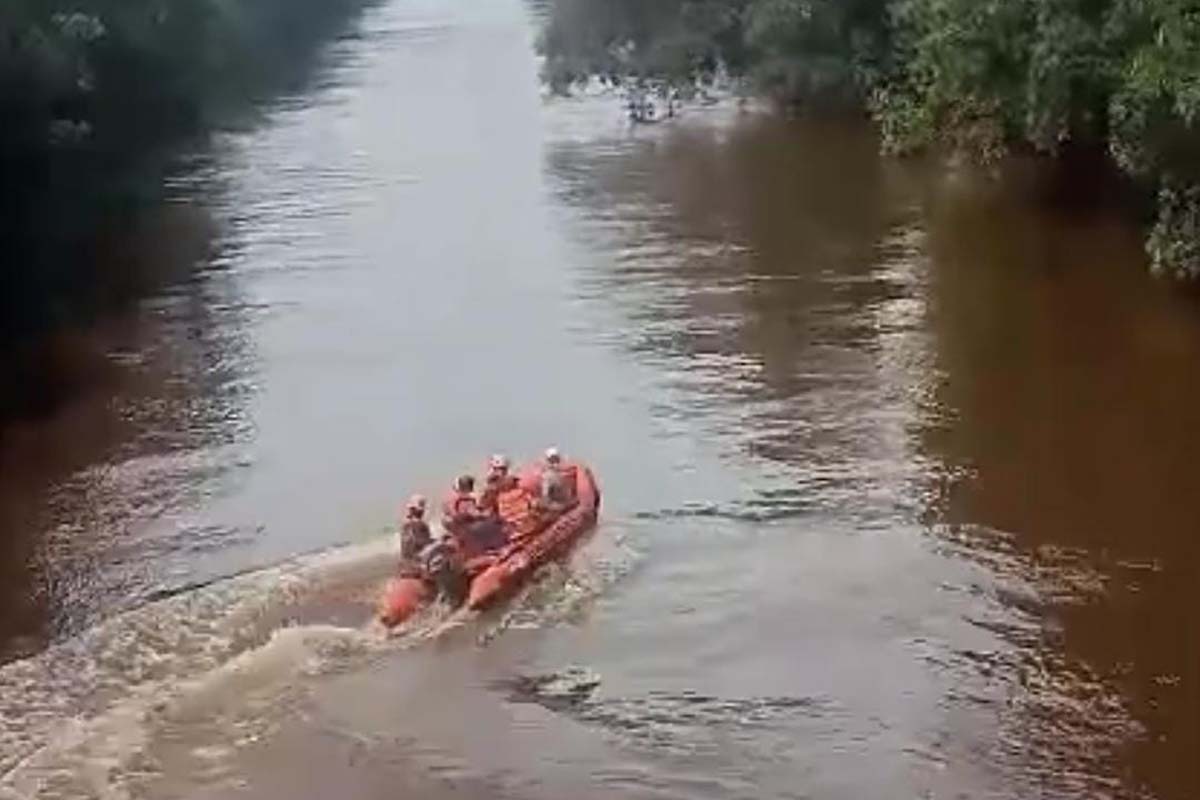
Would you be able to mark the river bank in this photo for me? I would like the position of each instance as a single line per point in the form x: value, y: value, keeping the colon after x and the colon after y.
x: 895, y: 462
x: 100, y: 103
x: 1110, y: 77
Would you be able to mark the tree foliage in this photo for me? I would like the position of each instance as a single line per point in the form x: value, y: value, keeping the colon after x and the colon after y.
x: 673, y: 40
x: 796, y: 49
x: 816, y: 49
x: 91, y: 92
x: 977, y: 76
x: 119, y: 72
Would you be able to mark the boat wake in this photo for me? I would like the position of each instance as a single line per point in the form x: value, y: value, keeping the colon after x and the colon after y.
x: 221, y: 666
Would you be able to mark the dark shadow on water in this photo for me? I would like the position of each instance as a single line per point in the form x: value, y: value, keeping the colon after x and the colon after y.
x: 153, y: 394
x: 1076, y: 426
x: 126, y: 356
x: 983, y: 354
x: 74, y: 218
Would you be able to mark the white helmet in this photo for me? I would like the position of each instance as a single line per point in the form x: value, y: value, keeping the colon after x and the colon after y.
x: 498, y: 461
x: 552, y: 455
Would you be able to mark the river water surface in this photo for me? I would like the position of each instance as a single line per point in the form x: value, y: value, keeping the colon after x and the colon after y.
x: 899, y: 463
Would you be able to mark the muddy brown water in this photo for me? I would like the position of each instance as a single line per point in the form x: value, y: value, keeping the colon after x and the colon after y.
x: 899, y: 463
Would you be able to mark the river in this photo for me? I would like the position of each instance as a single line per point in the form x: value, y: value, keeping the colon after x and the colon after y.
x: 898, y: 462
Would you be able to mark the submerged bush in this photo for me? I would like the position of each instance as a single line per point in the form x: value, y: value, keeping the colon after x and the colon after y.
x: 1174, y: 242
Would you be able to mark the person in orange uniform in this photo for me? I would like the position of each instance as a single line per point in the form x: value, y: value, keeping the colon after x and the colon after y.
x: 517, y: 509
x: 498, y: 480
x: 558, y: 482
x: 475, y: 530
x: 460, y: 511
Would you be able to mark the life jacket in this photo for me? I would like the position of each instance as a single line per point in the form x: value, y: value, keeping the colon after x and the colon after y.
x: 517, y: 510
x: 489, y: 498
x: 570, y: 476
x: 458, y: 509
x: 558, y: 485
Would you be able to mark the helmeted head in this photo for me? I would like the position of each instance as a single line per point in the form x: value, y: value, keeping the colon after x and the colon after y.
x: 415, y: 507
x: 464, y: 483
x: 552, y: 456
x: 498, y: 465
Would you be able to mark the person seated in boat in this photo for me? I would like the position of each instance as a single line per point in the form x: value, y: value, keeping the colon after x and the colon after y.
x: 518, y: 510
x: 415, y: 535
x: 474, y: 530
x: 498, y: 480
x: 558, y: 483
x: 460, y: 509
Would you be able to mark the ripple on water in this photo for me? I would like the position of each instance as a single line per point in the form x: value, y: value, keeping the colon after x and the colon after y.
x: 102, y: 684
x: 155, y: 689
x: 663, y: 722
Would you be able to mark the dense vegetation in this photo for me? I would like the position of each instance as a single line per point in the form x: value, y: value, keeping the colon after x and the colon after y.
x: 95, y: 98
x: 101, y: 73
x: 92, y: 95
x: 979, y: 77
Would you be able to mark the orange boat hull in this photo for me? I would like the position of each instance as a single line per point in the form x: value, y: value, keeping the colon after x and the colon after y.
x: 402, y: 597
x: 494, y: 577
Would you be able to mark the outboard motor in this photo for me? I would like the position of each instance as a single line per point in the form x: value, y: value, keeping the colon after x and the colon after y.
x: 444, y: 570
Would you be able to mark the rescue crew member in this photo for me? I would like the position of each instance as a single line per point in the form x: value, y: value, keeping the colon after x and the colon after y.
x: 557, y: 491
x: 517, y: 509
x: 498, y: 480
x: 475, y: 531
x: 414, y: 530
x: 460, y: 510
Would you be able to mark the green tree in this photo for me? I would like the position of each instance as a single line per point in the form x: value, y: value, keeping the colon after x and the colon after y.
x: 1124, y: 74
x: 1155, y: 115
x: 677, y: 41
x: 799, y: 50
x: 823, y: 51
x: 979, y: 77
x: 91, y: 94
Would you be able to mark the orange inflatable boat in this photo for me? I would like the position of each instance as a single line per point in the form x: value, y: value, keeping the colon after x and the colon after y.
x: 493, y: 576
